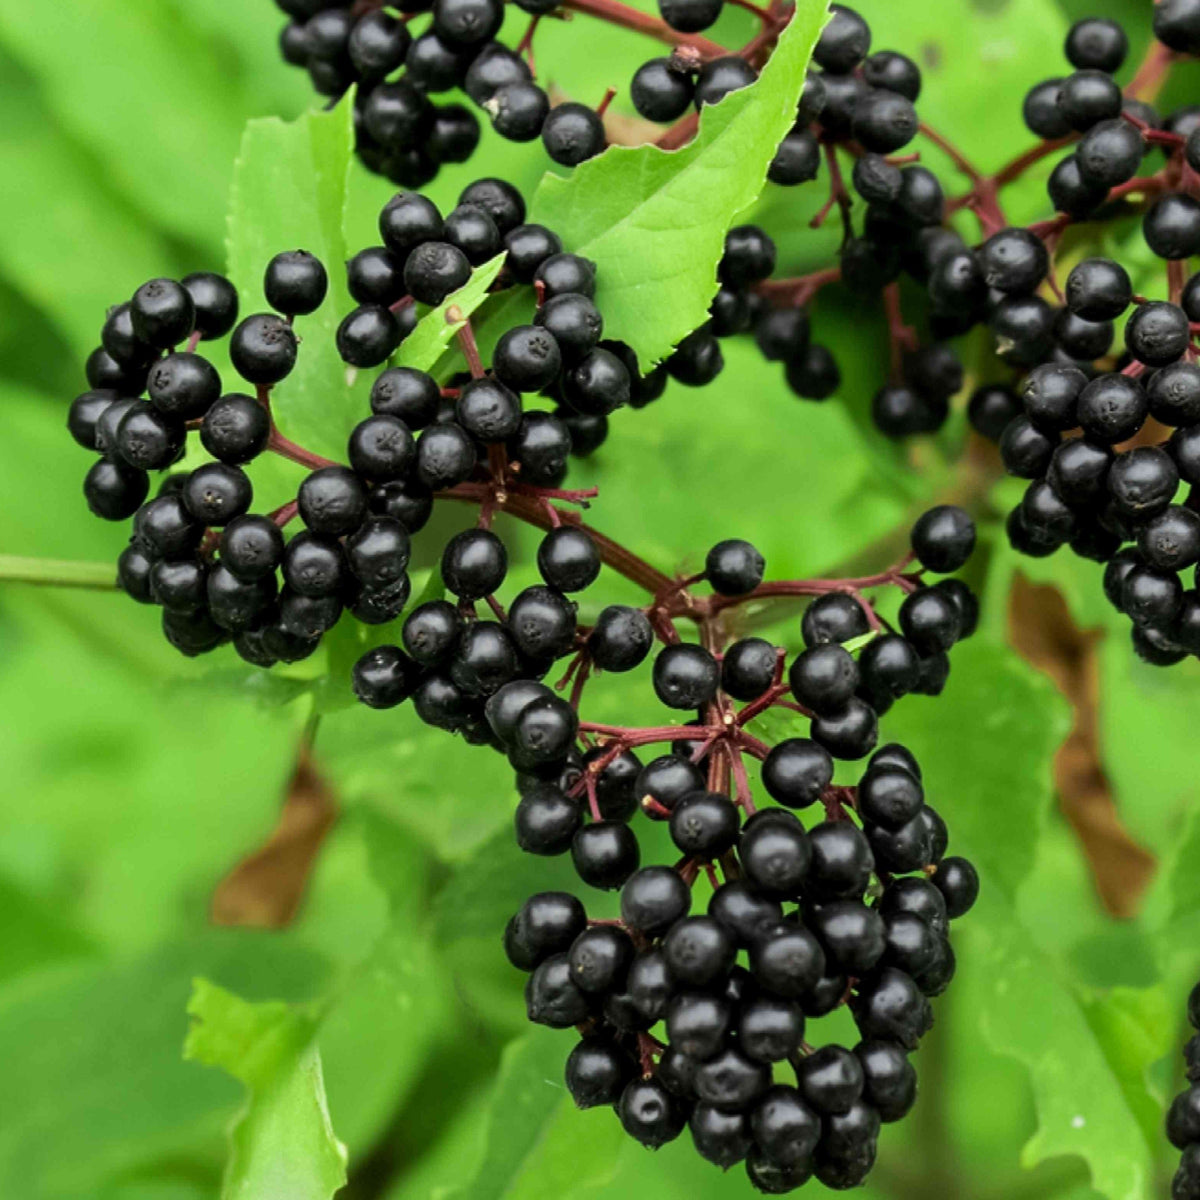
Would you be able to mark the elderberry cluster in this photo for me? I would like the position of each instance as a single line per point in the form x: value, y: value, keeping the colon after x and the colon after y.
x: 219, y: 570
x: 852, y: 910
x: 1183, y: 1118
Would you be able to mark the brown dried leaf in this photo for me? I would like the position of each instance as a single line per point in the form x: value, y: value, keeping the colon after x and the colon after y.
x: 266, y: 888
x: 1042, y: 630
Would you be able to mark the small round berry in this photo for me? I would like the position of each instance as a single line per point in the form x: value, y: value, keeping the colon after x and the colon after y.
x: 381, y: 448
x: 943, y: 538
x: 621, y: 638
x: 720, y: 76
x: 568, y: 559
x: 474, y: 563
x: 1171, y: 226
x: 661, y: 90
x: 251, y: 547
x: 217, y: 493
x: 263, y: 348
x: 446, y: 456
x: 796, y: 772
x: 566, y: 275
x: 734, y: 567
x: 605, y: 854
x: 183, y: 385
x: 686, y: 676
x: 1088, y: 97
x: 368, y: 336
x: 408, y: 220
x: 434, y: 270
x: 295, y: 283
x: 704, y: 825
x: 408, y: 394
x: 748, y: 668
x: 216, y: 303
x: 162, y: 313
x: 573, y: 133
x: 332, y: 500
x: 1157, y: 333
x: 115, y: 490
x: 235, y: 429
x: 844, y: 42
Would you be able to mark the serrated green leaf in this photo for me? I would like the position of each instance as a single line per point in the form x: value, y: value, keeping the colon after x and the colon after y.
x: 434, y: 332
x: 655, y: 221
x: 284, y: 1146
x: 289, y: 193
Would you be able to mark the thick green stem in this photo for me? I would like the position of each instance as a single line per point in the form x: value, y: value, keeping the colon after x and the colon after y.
x: 53, y: 572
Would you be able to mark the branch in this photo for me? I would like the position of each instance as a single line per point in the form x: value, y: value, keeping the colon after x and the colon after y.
x: 53, y: 572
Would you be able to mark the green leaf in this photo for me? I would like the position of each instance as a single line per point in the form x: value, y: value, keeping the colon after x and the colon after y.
x: 284, y: 1146
x: 536, y: 1143
x: 434, y: 332
x: 289, y: 192
x: 986, y: 752
x: 655, y: 221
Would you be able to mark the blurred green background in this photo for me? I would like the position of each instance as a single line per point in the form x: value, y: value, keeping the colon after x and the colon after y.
x: 132, y: 783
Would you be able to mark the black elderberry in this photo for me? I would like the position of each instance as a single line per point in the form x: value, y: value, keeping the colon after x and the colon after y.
x: 235, y: 429
x: 332, y: 500
x: 572, y: 133
x: 314, y: 565
x: 483, y: 660
x: 409, y: 501
x: 215, y: 301
x: 435, y: 269
x: 958, y: 882
x: 686, y: 676
x: 787, y: 960
x: 445, y: 456
x: 844, y: 42
x: 500, y: 200
x: 162, y: 313
x: 1142, y: 481
x: 217, y: 493
x: 1173, y: 394
x: 1157, y: 333
x: 786, y: 1131
x: 662, y: 89
x: 650, y: 1114
x: 251, y: 546
x: 734, y: 567
x: 836, y: 617
x: 654, y: 899
x: 697, y: 360
x: 621, y: 638
x: 600, y: 957
x: 1088, y: 97
x: 263, y: 349
x: 605, y: 854
x: 542, y: 623
x: 183, y: 385
x: 796, y: 772
x: 114, y: 490
x: 368, y: 336
x: 567, y: 275
x: 568, y: 559
x: 748, y: 668
x: 775, y: 855
x: 704, y: 824
x: 1171, y: 226
x: 546, y: 821
x: 797, y: 159
x: 720, y: 76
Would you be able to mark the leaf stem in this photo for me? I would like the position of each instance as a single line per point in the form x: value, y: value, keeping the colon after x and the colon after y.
x: 53, y: 572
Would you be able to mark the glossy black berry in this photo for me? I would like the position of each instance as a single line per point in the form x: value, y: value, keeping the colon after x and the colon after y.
x: 215, y: 300
x: 235, y: 429
x: 263, y: 348
x: 114, y: 490
x: 734, y: 567
x: 217, y: 493
x: 621, y: 638
x: 474, y: 563
x: 748, y: 668
x: 572, y: 133
x: 183, y: 385
x: 162, y: 313
x: 568, y: 559
x: 445, y: 456
x: 661, y: 90
x: 796, y: 772
x: 704, y: 824
x: 332, y: 500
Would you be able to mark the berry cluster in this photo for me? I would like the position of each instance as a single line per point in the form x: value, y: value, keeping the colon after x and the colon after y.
x: 1092, y: 431
x: 1183, y: 1118
x: 219, y: 570
x: 404, y: 134
x: 852, y: 910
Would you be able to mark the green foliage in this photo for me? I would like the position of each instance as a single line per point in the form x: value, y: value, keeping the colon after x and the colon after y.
x: 382, y: 1037
x: 283, y: 1142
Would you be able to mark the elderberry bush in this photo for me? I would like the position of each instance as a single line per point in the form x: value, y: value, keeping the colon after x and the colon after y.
x: 1183, y: 1118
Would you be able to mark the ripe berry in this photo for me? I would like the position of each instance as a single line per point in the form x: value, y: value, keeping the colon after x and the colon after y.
x: 884, y: 121
x: 775, y: 855
x: 1088, y: 97
x: 263, y: 348
x: 1110, y: 153
x: 1171, y: 226
x: 435, y: 269
x: 567, y: 274
x: 445, y: 456
x: 162, y: 313
x: 332, y: 500
x: 1112, y: 408
x: 183, y: 385
x: 661, y: 90
x: 720, y: 76
x: 605, y: 854
x: 573, y: 133
x: 704, y: 825
x: 409, y: 501
x: 251, y: 546
x: 1098, y: 289
x: 787, y: 961
x: 114, y: 490
x: 295, y: 283
x: 844, y: 42
x: 698, y: 951
x: 215, y: 301
x: 734, y: 567
x: 943, y: 538
x: 1157, y: 333
x: 796, y: 772
x: 474, y: 563
x: 748, y: 668
x: 542, y: 623
x: 568, y: 559
x: 575, y: 323
x: 235, y: 429
x: 1096, y: 44
x: 217, y: 493
x: 835, y: 617
x: 650, y: 1114
x: 654, y: 899
x: 621, y: 638
x: 597, y: 385
x: 148, y: 439
x: 686, y: 676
